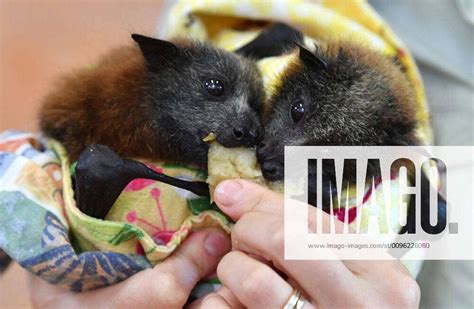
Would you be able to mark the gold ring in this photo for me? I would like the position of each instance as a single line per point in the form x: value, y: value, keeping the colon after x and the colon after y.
x: 295, y: 301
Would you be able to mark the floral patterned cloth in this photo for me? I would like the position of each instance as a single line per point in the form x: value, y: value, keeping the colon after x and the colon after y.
x: 42, y: 229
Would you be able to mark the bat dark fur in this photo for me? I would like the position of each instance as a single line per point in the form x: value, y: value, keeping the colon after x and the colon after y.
x: 150, y: 101
x: 345, y: 95
x: 340, y: 95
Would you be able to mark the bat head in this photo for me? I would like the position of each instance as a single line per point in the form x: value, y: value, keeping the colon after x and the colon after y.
x: 350, y: 97
x: 195, y: 89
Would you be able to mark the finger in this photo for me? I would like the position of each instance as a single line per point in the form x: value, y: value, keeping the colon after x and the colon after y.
x: 167, y: 285
x: 236, y: 197
x: 375, y: 269
x: 254, y: 284
x: 239, y: 197
x: 212, y: 300
x: 260, y: 234
x: 194, y: 260
x: 222, y: 298
x: 377, y: 272
x: 231, y: 299
x: 43, y: 294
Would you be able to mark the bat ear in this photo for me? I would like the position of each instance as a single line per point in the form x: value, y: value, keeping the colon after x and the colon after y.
x: 311, y: 58
x: 154, y: 50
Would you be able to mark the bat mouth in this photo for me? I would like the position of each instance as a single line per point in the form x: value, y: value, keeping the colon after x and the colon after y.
x: 228, y: 142
x: 220, y: 137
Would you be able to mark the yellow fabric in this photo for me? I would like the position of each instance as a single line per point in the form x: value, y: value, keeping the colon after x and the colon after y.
x: 118, y: 234
x: 353, y: 20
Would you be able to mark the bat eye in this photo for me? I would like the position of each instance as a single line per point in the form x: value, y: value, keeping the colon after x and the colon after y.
x: 214, y: 87
x: 297, y: 111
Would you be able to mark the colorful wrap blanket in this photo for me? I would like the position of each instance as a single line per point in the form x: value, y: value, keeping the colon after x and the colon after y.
x: 42, y: 229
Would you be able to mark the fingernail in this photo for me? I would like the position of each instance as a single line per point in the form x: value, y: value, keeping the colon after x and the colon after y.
x: 226, y: 192
x: 216, y: 244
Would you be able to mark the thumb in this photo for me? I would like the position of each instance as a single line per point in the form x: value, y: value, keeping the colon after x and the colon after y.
x: 196, y: 258
x: 238, y: 197
x: 167, y: 285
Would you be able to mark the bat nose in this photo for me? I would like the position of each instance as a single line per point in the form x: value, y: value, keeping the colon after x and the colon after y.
x: 273, y: 170
x: 240, y: 133
x: 246, y: 136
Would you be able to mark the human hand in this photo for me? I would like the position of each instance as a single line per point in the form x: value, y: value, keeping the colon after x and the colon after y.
x: 167, y: 285
x: 255, y: 274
